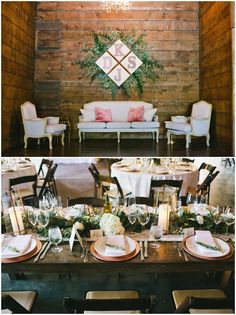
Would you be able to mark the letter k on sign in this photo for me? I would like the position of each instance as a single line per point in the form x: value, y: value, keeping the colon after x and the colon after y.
x: 119, y: 62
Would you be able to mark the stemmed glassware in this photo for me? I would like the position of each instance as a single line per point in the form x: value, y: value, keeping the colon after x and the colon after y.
x: 43, y: 218
x: 132, y: 209
x: 32, y: 215
x: 191, y: 199
x: 143, y: 215
x: 217, y: 216
x: 56, y: 204
x: 156, y: 233
x: 55, y: 237
x: 229, y: 219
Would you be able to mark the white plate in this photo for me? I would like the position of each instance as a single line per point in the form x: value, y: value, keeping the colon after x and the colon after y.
x: 100, y: 247
x: 28, y: 250
x: 74, y: 211
x: 196, y: 249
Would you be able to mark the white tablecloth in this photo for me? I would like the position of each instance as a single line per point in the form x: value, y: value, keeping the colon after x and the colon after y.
x: 139, y: 183
x: 20, y: 170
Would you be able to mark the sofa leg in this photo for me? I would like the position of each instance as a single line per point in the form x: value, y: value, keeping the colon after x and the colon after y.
x: 84, y: 135
x: 118, y: 137
x: 208, y: 140
x: 62, y: 138
x: 157, y: 135
x: 50, y: 142
x: 25, y: 141
x: 168, y: 137
x: 79, y: 133
x: 187, y: 140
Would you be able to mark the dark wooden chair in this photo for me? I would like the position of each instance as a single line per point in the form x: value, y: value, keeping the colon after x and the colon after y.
x: 186, y: 160
x: 48, y: 185
x: 105, y: 301
x: 202, y: 301
x: 44, y: 166
x: 145, y: 200
x: 204, y: 187
x: 113, y: 180
x: 165, y: 182
x: 25, y: 193
x: 18, y: 302
x: 97, y: 184
x: 93, y: 201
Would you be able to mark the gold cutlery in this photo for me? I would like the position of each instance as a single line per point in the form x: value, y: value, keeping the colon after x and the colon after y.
x: 40, y: 252
x: 45, y: 252
x: 141, y: 250
x: 145, y: 249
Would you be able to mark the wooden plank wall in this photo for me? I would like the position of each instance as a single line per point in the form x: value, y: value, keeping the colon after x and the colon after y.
x: 216, y: 67
x: 62, y: 29
x: 18, y: 31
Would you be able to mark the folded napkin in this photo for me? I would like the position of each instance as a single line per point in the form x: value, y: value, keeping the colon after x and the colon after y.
x: 16, y: 246
x: 205, y: 242
x: 115, y: 245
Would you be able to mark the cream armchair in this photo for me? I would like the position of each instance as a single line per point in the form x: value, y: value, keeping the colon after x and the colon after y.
x: 35, y: 127
x: 197, y: 125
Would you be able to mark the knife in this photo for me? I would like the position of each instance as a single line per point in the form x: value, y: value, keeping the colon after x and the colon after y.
x: 40, y: 252
x: 45, y: 252
x: 141, y: 250
x: 145, y: 249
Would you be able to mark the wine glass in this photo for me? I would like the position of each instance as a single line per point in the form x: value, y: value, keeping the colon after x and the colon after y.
x: 191, y: 199
x: 156, y: 233
x: 56, y: 204
x: 217, y: 216
x: 43, y: 218
x: 143, y: 215
x: 132, y: 214
x: 32, y: 215
x: 55, y: 237
x: 229, y: 220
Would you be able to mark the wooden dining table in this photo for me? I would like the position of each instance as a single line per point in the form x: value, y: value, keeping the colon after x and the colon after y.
x: 162, y: 260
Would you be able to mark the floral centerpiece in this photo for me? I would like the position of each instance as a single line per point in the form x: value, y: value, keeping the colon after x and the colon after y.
x: 110, y: 224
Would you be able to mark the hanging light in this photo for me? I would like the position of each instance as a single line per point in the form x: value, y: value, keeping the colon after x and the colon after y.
x: 115, y: 5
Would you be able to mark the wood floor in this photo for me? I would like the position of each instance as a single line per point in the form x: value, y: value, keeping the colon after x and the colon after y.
x: 127, y: 147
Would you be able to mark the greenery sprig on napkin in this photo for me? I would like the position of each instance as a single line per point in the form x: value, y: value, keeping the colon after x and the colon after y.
x: 217, y: 248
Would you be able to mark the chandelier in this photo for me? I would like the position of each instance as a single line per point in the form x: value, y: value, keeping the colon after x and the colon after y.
x: 115, y: 5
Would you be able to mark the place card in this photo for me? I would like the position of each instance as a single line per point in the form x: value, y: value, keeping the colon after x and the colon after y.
x: 95, y: 234
x: 188, y: 232
x: 74, y: 233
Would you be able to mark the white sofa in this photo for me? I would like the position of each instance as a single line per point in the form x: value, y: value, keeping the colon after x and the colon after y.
x: 119, y: 123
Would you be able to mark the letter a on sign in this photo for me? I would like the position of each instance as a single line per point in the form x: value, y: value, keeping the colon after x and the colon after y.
x: 119, y: 62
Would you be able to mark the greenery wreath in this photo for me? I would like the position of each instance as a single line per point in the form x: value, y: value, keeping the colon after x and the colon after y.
x: 137, y: 44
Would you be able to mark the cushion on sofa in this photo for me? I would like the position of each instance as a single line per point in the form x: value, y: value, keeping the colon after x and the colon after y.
x: 119, y: 109
x: 178, y: 126
x: 91, y: 125
x: 118, y: 125
x: 149, y: 113
x: 88, y: 115
x: 103, y: 115
x: 136, y: 114
x: 145, y: 124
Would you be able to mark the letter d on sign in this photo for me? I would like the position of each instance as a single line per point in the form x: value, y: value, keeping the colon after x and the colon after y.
x: 107, y: 62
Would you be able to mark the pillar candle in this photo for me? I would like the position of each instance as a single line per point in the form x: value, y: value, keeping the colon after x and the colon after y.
x: 16, y: 220
x: 163, y: 218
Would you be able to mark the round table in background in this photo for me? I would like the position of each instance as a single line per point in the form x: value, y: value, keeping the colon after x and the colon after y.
x: 139, y: 182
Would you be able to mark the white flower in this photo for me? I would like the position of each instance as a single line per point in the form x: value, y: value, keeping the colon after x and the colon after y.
x: 180, y: 212
x: 79, y: 226
x: 110, y: 224
x: 199, y: 219
x: 67, y: 217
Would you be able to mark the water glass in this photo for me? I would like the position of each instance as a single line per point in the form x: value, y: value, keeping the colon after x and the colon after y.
x: 143, y: 215
x: 229, y: 219
x: 155, y: 233
x: 191, y: 199
x: 43, y: 218
x: 55, y: 237
x: 32, y: 215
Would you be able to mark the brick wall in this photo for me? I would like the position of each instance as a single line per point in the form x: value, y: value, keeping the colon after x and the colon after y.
x: 18, y: 20
x: 62, y: 28
x: 216, y: 67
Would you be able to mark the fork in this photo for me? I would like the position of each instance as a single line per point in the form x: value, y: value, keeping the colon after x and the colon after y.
x: 178, y: 249
x: 183, y: 252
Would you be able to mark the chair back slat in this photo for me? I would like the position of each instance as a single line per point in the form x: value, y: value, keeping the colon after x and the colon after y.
x: 93, y: 201
x: 44, y: 162
x: 169, y: 182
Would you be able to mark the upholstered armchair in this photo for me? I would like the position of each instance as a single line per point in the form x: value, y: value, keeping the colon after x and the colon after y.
x: 35, y: 127
x: 197, y: 125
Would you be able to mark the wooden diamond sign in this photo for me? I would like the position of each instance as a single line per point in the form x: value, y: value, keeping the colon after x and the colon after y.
x: 119, y: 62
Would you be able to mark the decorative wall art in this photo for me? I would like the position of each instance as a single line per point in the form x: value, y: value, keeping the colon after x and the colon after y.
x: 120, y: 61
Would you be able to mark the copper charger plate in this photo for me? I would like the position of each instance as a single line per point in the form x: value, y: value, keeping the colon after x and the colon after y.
x: 110, y: 258
x: 24, y: 257
x: 230, y: 253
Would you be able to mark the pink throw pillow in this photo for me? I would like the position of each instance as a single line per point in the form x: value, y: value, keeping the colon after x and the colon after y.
x: 103, y: 115
x: 136, y: 114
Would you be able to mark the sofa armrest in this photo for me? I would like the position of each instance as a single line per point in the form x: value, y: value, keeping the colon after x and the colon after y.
x: 35, y: 127
x: 200, y: 126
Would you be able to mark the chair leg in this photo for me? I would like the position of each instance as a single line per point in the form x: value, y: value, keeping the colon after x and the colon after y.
x: 187, y: 140
x: 208, y: 140
x: 25, y: 141
x: 157, y: 135
x: 62, y: 138
x: 50, y: 141
x: 168, y: 137
x: 38, y: 141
